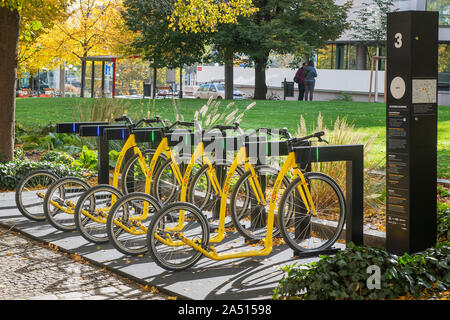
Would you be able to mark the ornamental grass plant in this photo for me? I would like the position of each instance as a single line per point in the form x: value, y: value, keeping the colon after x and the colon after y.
x: 343, y: 133
x: 102, y: 109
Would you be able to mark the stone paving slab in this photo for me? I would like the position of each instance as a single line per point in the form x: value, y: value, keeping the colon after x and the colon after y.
x: 244, y: 278
x: 30, y: 270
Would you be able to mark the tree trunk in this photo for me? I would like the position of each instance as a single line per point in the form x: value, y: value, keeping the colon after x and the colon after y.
x: 260, y: 78
x: 155, y: 74
x: 9, y: 37
x: 62, y: 78
x: 229, y: 83
x: 83, y: 79
x: 180, y: 92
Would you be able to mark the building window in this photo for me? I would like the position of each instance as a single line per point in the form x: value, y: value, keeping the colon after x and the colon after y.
x: 337, y: 56
x: 371, y: 52
x: 351, y: 57
x: 325, y: 57
x: 443, y: 6
x: 348, y: 57
x: 340, y: 55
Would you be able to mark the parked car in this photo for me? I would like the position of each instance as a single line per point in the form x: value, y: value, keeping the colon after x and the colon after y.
x: 217, y: 90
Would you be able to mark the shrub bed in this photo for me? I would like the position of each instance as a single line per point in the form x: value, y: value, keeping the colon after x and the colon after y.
x: 12, y: 172
x: 345, y: 275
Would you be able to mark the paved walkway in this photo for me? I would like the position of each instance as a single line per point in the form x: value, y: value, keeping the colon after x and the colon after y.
x: 246, y: 278
x: 30, y: 270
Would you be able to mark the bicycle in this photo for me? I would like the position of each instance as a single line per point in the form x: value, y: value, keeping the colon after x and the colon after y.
x: 166, y: 233
x: 129, y: 211
x: 30, y: 193
x: 255, y: 179
x: 210, y: 194
x: 129, y: 217
x: 92, y: 208
x: 32, y: 190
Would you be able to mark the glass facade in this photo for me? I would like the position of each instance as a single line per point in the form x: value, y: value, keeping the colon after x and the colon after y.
x: 344, y: 57
x: 325, y: 57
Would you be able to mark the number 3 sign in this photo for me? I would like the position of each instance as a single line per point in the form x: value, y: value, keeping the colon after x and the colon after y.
x: 398, y: 40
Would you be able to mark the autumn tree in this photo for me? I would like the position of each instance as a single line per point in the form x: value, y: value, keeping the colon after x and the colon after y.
x: 282, y: 26
x: 33, y: 53
x: 226, y: 42
x: 289, y: 26
x: 90, y: 29
x: 216, y: 19
x: 155, y: 40
x: 207, y: 15
x: 12, y: 12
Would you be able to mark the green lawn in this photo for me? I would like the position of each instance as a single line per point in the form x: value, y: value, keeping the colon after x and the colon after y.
x: 369, y: 117
x: 264, y: 113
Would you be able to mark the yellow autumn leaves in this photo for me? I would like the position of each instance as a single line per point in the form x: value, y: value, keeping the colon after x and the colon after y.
x: 205, y: 15
x: 96, y: 27
x: 87, y: 27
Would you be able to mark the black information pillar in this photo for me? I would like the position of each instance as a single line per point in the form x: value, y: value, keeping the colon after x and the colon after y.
x: 411, y: 130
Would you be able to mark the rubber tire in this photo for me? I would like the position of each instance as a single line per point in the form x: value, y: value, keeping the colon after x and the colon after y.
x: 205, y: 231
x: 109, y: 224
x: 233, y: 201
x: 90, y: 192
x: 18, y: 195
x: 132, y: 160
x: 55, y: 185
x: 334, y: 185
x: 155, y: 184
x: 201, y: 171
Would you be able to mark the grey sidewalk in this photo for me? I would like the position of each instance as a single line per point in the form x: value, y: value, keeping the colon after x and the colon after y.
x: 237, y: 279
x: 30, y: 270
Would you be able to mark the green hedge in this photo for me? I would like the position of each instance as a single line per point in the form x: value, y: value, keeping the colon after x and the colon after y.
x: 12, y: 172
x: 345, y: 275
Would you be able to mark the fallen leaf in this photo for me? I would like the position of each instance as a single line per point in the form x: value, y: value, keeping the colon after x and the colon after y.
x: 153, y: 289
x: 77, y: 257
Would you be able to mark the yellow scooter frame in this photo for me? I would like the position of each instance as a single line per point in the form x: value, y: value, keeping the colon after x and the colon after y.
x: 268, y: 241
x: 130, y: 143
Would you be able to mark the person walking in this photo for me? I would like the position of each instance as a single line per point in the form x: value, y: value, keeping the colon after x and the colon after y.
x: 310, y: 75
x: 300, y: 79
